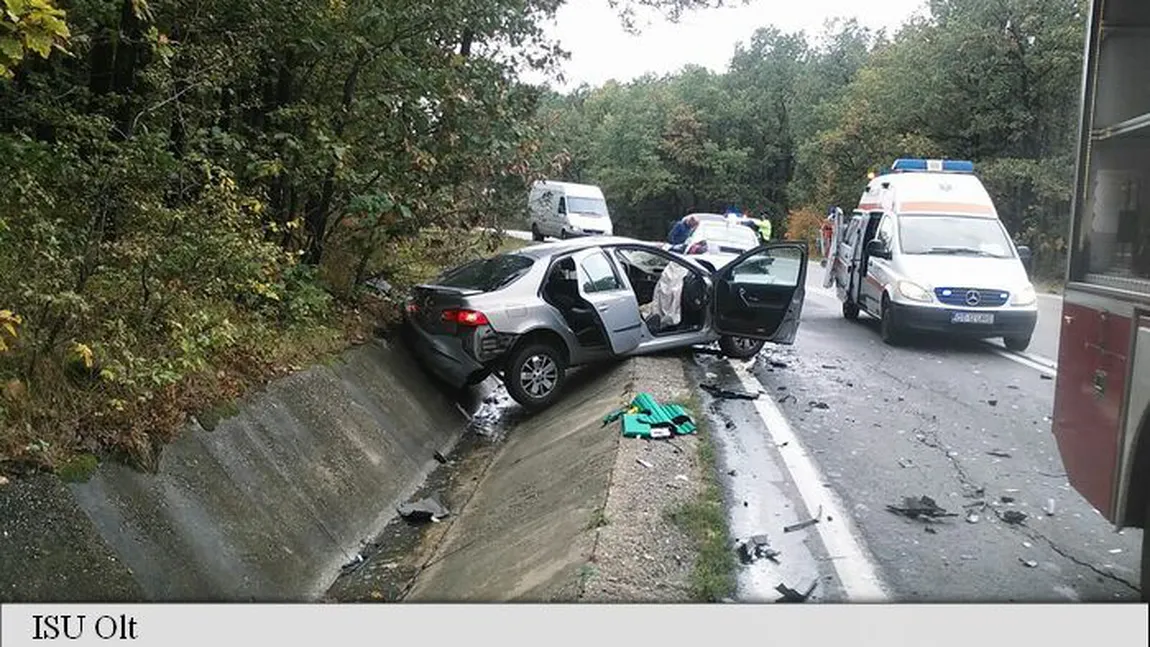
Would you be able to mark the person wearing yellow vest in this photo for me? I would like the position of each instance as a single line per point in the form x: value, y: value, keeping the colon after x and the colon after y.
x: 763, y: 224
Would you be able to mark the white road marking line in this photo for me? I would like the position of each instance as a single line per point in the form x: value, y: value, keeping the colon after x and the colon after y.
x: 1040, y: 364
x: 852, y: 563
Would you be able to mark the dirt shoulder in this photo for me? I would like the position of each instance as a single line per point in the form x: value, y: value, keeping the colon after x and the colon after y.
x: 566, y: 509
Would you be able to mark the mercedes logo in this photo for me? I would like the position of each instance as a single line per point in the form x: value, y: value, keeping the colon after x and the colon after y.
x: 973, y: 298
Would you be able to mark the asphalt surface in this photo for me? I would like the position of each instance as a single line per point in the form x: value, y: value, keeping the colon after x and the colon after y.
x: 957, y: 422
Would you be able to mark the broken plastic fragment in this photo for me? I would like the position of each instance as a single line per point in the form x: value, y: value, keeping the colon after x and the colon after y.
x: 791, y: 595
x: 728, y: 394
x: 1013, y: 517
x: 423, y: 510
x: 1029, y: 563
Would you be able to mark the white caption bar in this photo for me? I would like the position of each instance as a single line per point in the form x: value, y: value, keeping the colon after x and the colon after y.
x: 192, y: 625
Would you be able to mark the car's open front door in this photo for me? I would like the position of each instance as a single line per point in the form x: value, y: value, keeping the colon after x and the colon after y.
x: 760, y: 294
x: 614, y: 302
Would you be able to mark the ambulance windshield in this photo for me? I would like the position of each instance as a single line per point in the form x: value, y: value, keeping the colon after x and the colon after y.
x: 953, y: 235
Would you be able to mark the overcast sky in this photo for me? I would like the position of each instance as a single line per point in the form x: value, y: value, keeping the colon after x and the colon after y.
x: 601, y: 50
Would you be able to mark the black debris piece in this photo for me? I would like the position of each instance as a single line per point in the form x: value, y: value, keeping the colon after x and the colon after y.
x: 805, y: 524
x: 728, y: 394
x: 730, y: 424
x: 905, y: 462
x: 732, y: 473
x: 998, y: 453
x: 791, y: 595
x: 702, y: 350
x: 923, y: 506
x: 1006, y: 499
x: 441, y: 458
x: 782, y: 388
x: 818, y: 404
x: 1046, y: 377
x: 1028, y: 563
x: 1013, y: 517
x: 784, y: 444
x: 930, y: 530
x: 777, y: 364
x: 423, y: 510
x: 993, y: 403
x: 756, y: 548
x: 830, y: 367
x: 353, y: 565
x: 789, y: 396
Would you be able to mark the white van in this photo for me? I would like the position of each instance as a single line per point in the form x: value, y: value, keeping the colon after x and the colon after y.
x: 564, y: 210
x: 925, y: 251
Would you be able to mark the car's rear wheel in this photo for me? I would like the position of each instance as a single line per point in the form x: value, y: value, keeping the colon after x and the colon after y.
x: 740, y: 347
x: 850, y: 310
x: 535, y: 375
x: 536, y: 235
x: 888, y: 327
x: 1017, y: 344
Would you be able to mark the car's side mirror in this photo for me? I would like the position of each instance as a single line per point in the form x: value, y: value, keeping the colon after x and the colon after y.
x: 876, y: 248
x: 1024, y: 254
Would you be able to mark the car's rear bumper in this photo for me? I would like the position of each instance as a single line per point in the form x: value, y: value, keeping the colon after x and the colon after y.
x: 1007, y: 323
x: 444, y: 356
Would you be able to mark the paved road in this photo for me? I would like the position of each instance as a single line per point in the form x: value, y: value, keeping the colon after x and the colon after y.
x: 873, y: 424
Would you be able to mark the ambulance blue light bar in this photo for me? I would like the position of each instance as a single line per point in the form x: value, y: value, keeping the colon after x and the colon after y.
x: 907, y: 165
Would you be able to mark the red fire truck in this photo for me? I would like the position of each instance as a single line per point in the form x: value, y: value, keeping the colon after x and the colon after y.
x: 1102, y: 397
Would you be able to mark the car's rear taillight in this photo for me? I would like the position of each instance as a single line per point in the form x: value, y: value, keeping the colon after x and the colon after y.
x: 465, y: 317
x: 698, y: 248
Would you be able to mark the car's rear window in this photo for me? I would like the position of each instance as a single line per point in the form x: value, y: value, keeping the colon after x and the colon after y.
x: 735, y: 235
x: 487, y: 274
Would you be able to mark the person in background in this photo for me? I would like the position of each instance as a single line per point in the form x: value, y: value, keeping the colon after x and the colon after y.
x: 682, y: 230
x: 828, y: 232
x: 763, y: 224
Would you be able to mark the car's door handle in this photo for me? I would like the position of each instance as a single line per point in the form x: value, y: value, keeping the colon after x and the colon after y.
x: 746, y: 297
x: 603, y: 307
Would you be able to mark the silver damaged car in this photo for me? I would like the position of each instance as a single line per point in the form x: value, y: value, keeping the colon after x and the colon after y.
x: 528, y: 316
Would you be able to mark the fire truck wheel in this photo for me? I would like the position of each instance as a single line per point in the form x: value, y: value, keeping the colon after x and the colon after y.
x: 1017, y: 344
x: 888, y: 328
x: 850, y: 310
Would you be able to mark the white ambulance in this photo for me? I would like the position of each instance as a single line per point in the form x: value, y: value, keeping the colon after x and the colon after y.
x: 925, y: 251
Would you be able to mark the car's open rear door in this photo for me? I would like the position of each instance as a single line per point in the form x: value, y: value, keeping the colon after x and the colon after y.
x: 760, y: 294
x: 616, y: 306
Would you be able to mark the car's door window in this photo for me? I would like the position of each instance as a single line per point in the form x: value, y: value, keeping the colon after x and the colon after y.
x: 598, y: 275
x: 776, y: 266
x: 562, y: 206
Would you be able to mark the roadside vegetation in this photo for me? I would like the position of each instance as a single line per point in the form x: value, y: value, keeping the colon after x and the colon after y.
x: 193, y: 193
x: 704, y: 520
x: 795, y: 124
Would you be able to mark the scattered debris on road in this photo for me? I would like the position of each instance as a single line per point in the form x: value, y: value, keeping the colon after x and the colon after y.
x: 791, y: 595
x: 733, y: 473
x: 1028, y: 563
x: 423, y: 510
x: 783, y: 444
x: 777, y: 364
x: 729, y: 394
x: 805, y: 524
x: 930, y: 530
x: 1045, y: 376
x: 998, y: 453
x: 703, y: 350
x: 972, y: 517
x: 818, y: 404
x: 1006, y: 499
x: 923, y: 506
x: 993, y: 403
x: 1115, y: 551
x: 789, y: 396
x: 905, y: 462
x: 644, y: 463
x: 1049, y: 508
x: 756, y: 548
x: 440, y: 458
x: 353, y: 565
x: 1013, y: 517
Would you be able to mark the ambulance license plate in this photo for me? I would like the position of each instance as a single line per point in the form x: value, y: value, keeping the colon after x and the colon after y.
x: 972, y: 317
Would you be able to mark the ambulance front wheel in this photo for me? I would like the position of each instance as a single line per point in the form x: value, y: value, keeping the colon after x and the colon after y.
x: 850, y: 310
x: 1017, y: 344
x: 888, y: 327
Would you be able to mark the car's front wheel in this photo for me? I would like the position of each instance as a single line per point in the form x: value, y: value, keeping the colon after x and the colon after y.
x: 535, y: 374
x: 740, y: 347
x: 1017, y: 344
x: 536, y: 235
x: 888, y: 327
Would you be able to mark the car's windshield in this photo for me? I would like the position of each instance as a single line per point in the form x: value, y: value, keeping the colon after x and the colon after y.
x: 724, y: 235
x: 953, y: 235
x: 487, y: 274
x: 586, y: 206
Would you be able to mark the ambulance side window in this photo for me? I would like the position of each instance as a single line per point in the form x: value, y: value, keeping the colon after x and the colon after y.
x: 885, y: 232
